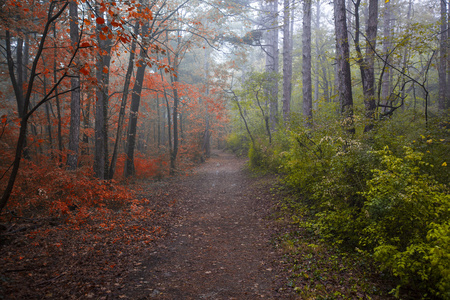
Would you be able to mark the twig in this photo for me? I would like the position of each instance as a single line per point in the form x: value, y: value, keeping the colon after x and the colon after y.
x: 50, y: 280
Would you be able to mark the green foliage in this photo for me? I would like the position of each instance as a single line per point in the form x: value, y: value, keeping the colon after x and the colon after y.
x: 409, y: 212
x: 329, y: 172
x: 377, y: 195
x: 256, y: 157
x: 262, y: 158
x: 238, y: 143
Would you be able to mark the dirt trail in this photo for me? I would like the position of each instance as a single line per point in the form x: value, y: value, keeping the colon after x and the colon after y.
x: 220, y: 246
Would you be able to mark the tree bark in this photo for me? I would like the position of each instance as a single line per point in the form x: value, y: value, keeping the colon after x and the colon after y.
x: 158, y: 121
x: 443, y: 57
x: 318, y: 54
x: 287, y: 62
x: 343, y: 65
x: 206, y: 143
x: 447, y: 100
x: 134, y: 108
x: 366, y: 64
x: 26, y: 101
x: 272, y: 63
x: 75, y: 108
x: 386, y: 79
x: 18, y: 92
x: 126, y: 86
x: 174, y: 79
x: 101, y: 106
x: 57, y: 100
x: 306, y: 64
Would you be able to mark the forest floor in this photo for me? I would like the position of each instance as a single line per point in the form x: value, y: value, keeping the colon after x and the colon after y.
x: 213, y: 234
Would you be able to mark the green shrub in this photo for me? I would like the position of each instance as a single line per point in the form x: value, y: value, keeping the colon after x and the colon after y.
x: 256, y: 157
x: 238, y: 144
x: 262, y: 158
x: 373, y: 194
x: 408, y: 213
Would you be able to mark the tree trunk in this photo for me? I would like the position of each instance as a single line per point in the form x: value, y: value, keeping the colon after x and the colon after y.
x: 47, y: 115
x: 206, y: 143
x: 126, y: 86
x: 26, y: 101
x: 57, y: 100
x: 134, y: 108
x: 447, y: 93
x: 366, y: 65
x: 158, y: 120
x: 443, y: 57
x: 343, y: 65
x: 306, y: 64
x: 287, y: 62
x: 272, y: 60
x: 318, y: 55
x: 386, y: 79
x: 101, y: 106
x: 18, y: 92
x: 326, y: 88
x: 20, y: 68
x: 75, y: 108
x: 174, y: 79
x: 369, y: 81
x: 241, y: 113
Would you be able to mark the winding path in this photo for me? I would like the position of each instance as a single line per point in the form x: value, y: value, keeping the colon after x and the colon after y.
x: 220, y: 247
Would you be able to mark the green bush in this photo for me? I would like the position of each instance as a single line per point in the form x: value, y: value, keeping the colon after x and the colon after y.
x: 408, y: 213
x: 388, y: 204
x: 256, y: 157
x: 238, y: 144
x: 262, y: 158
x: 382, y: 192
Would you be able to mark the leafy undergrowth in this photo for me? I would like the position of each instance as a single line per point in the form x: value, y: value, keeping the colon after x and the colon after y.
x: 69, y: 236
x: 318, y: 270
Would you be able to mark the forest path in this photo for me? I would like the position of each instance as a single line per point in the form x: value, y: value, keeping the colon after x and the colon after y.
x: 220, y: 246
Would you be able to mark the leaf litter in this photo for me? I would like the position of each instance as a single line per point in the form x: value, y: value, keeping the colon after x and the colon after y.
x: 209, y: 235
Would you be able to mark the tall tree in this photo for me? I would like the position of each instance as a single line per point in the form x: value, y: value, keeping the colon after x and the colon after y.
x: 272, y: 57
x: 321, y: 69
x: 387, y: 45
x: 176, y: 100
x: 287, y: 60
x: 366, y: 64
x: 101, y: 107
x: 447, y: 106
x: 306, y: 63
x: 135, y: 103
x: 318, y: 52
x: 126, y: 87
x: 75, y: 106
x: 206, y: 143
x: 54, y: 12
x: 443, y: 57
x: 343, y: 64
